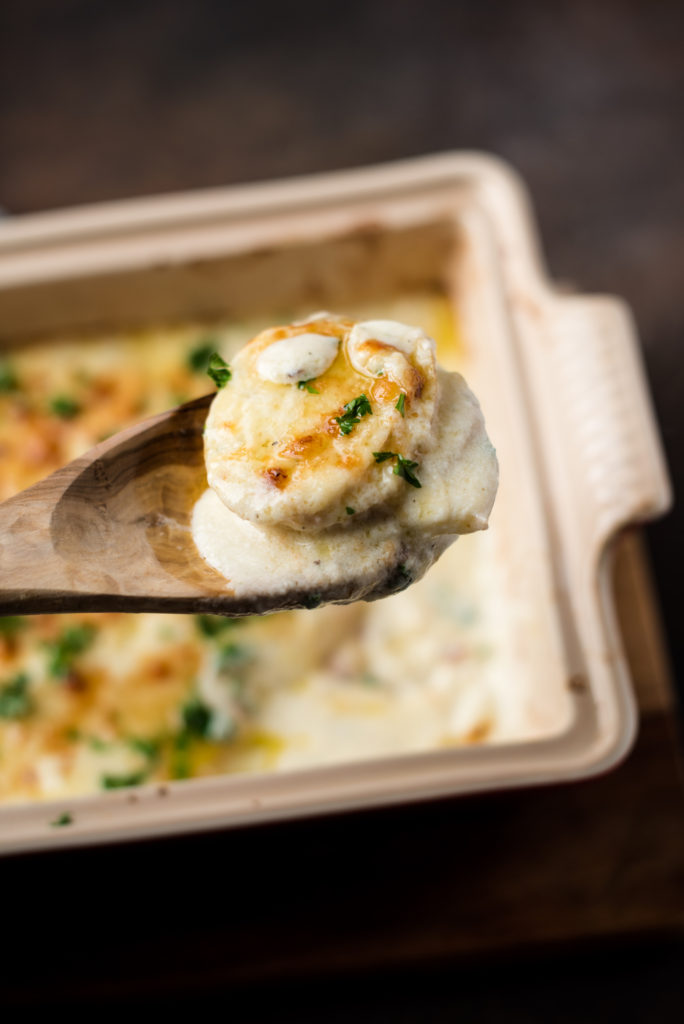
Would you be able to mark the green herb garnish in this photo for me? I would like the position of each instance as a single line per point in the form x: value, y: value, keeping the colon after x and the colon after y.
x: 202, y: 722
x: 404, y: 467
x: 122, y: 781
x: 100, y: 746
x: 10, y: 625
x: 180, y: 764
x: 8, y: 378
x: 15, y: 700
x: 312, y: 600
x: 305, y: 385
x: 72, y: 642
x: 400, y: 403
x: 232, y: 657
x: 196, y: 716
x: 213, y: 625
x: 197, y: 360
x: 149, y: 748
x: 383, y: 456
x: 353, y: 411
x: 64, y: 407
x: 218, y: 370
x: 350, y: 511
x: 63, y: 819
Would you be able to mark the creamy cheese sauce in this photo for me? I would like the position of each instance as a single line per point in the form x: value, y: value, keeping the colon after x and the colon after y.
x: 389, y: 463
x: 89, y: 702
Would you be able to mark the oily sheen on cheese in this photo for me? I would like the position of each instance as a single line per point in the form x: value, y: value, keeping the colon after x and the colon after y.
x: 340, y: 453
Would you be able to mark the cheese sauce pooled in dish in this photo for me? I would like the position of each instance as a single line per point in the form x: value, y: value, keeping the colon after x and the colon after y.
x: 341, y: 461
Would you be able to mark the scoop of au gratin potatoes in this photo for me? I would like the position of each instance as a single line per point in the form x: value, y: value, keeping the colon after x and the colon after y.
x: 339, y: 452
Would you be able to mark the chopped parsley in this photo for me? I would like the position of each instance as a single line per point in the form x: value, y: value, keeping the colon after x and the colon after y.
x: 202, y: 722
x: 15, y: 699
x: 404, y: 573
x: 232, y: 657
x: 312, y: 600
x: 63, y: 819
x: 305, y: 385
x: 350, y: 511
x: 403, y: 468
x: 97, y: 744
x: 10, y: 625
x: 122, y: 781
x: 353, y: 411
x: 197, y: 359
x: 400, y: 404
x: 148, y: 747
x: 218, y: 370
x: 8, y: 378
x: 63, y: 651
x: 180, y: 762
x: 64, y: 407
x: 196, y: 717
x: 213, y: 625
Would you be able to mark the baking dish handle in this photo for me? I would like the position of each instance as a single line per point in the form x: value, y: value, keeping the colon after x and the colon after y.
x: 613, y: 445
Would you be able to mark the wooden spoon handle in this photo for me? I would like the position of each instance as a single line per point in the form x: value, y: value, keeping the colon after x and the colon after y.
x: 29, y: 564
x: 80, y: 539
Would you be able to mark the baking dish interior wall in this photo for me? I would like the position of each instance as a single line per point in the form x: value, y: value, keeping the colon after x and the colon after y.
x: 363, y: 266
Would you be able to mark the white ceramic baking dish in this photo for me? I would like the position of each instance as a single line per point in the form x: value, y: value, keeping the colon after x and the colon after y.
x: 561, y: 382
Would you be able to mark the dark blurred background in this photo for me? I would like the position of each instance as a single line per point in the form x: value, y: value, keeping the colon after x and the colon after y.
x: 101, y: 101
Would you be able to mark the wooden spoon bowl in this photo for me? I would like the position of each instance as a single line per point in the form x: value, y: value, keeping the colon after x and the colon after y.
x: 111, y: 531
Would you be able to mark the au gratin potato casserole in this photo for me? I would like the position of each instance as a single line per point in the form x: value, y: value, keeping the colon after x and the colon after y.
x: 104, y: 701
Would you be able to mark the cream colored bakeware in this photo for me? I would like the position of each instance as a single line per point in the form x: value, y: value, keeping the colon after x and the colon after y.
x: 561, y: 382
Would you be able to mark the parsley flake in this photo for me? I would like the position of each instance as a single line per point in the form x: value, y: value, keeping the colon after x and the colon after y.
x: 213, y: 625
x: 404, y: 467
x: 122, y: 781
x: 15, y: 700
x: 218, y: 370
x: 400, y: 404
x: 180, y: 763
x: 196, y: 716
x: 63, y: 819
x: 8, y: 378
x: 10, y: 625
x: 64, y: 407
x: 305, y: 385
x: 202, y: 722
x: 312, y: 600
x: 72, y: 642
x: 149, y: 748
x: 350, y: 511
x: 353, y: 411
x: 197, y: 360
x: 233, y: 656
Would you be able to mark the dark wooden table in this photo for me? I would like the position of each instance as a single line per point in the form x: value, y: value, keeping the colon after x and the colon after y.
x: 557, y: 904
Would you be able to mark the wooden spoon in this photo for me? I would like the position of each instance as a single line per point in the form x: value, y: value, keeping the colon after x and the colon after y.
x: 111, y: 531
